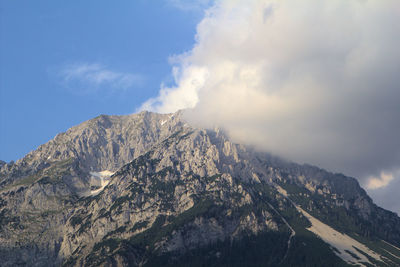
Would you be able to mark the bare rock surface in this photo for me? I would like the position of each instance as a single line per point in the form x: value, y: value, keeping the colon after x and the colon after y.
x: 133, y: 190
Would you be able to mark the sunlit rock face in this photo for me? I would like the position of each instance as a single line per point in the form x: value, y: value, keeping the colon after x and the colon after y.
x: 149, y: 189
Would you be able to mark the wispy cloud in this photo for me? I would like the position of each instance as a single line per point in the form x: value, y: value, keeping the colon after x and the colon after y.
x: 93, y: 76
x: 190, y: 5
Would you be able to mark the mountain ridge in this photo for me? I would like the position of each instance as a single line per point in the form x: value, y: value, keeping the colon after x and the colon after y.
x: 173, y: 188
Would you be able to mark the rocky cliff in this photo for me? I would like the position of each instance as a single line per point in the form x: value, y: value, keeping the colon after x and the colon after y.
x: 149, y: 190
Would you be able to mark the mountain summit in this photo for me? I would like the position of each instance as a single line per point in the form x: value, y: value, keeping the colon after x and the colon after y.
x: 150, y: 190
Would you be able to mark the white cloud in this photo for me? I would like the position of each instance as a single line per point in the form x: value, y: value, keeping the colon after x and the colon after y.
x: 386, y: 196
x: 312, y: 81
x: 381, y: 181
x: 190, y: 5
x: 171, y: 99
x: 93, y: 76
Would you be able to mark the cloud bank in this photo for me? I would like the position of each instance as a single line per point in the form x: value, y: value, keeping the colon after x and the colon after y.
x: 311, y: 81
x: 93, y: 76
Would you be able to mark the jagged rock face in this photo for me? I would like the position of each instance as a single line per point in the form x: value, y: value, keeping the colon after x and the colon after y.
x: 103, y: 143
x: 176, y: 191
x: 46, y: 183
x: 180, y: 174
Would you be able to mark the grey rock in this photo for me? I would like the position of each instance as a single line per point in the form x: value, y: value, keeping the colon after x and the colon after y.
x: 174, y: 188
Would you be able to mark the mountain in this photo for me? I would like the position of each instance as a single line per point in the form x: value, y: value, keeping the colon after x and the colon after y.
x: 151, y: 190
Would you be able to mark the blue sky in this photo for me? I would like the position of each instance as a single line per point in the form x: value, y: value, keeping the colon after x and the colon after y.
x: 64, y: 62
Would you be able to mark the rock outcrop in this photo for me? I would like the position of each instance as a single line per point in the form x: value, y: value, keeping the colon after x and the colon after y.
x: 177, y: 194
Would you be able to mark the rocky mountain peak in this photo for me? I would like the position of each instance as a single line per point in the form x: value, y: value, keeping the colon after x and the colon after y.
x: 149, y: 189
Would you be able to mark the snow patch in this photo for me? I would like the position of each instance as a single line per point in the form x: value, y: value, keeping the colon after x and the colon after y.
x: 100, y: 179
x: 341, y: 242
x: 102, y: 174
x: 163, y: 122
